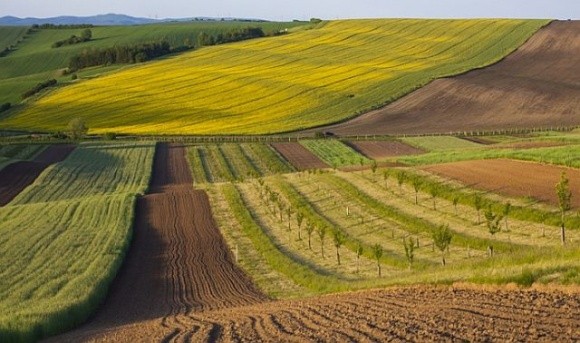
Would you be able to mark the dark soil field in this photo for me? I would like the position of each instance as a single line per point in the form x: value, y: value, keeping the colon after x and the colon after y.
x: 300, y: 157
x: 19, y: 175
x: 178, y: 264
x: 536, y: 86
x: 512, y: 178
x: 383, y: 149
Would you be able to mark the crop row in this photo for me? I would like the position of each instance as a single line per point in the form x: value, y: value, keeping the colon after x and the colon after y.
x: 234, y: 162
x: 334, y: 152
x: 64, y: 238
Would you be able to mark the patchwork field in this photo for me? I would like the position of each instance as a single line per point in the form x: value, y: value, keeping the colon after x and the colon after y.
x: 346, y: 68
x: 76, y: 218
x: 518, y: 92
x: 300, y: 157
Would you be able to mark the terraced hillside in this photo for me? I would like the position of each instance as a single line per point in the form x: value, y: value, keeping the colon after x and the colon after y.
x: 538, y: 86
x: 304, y: 79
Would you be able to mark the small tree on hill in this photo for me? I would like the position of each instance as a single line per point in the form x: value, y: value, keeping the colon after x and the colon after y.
x: 386, y: 174
x: 416, y: 183
x: 359, y: 252
x: 564, y: 202
x: 409, y: 250
x: 321, y: 231
x: 493, y: 225
x: 309, y: 231
x: 78, y: 128
x: 401, y: 177
x: 507, y: 207
x: 442, y: 239
x: 299, y: 219
x: 434, y: 191
x: 374, y: 167
x: 378, y: 253
x: 338, y: 240
x: 455, y: 202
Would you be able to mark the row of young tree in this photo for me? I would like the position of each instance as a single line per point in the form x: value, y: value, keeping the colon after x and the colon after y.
x: 119, y: 54
x: 40, y: 86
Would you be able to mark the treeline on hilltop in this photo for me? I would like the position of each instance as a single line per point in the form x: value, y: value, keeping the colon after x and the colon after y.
x: 234, y: 35
x: 120, y: 54
x: 59, y: 27
x: 38, y: 88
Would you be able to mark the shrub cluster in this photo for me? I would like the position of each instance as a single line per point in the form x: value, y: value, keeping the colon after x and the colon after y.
x: 85, y: 36
x: 38, y: 88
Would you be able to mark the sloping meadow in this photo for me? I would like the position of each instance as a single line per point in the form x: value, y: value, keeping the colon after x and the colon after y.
x: 304, y: 79
x: 64, y: 238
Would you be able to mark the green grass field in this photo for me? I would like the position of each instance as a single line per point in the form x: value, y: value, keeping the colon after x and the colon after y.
x: 335, y: 153
x: 304, y: 79
x: 439, y: 143
x: 65, y: 236
x: 35, y: 60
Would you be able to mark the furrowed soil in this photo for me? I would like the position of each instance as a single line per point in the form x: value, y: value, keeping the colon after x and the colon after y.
x: 383, y: 149
x: 300, y: 157
x: 536, y: 86
x: 15, y: 177
x: 178, y: 264
x: 180, y: 284
x: 512, y: 178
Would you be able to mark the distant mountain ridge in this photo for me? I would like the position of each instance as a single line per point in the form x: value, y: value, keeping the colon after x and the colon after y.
x: 102, y: 19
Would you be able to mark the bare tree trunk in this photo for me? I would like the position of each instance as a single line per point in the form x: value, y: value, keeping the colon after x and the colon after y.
x: 563, y: 231
x: 337, y: 256
x: 379, y: 267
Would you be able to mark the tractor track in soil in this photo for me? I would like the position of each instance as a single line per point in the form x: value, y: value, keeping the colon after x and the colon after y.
x: 15, y: 177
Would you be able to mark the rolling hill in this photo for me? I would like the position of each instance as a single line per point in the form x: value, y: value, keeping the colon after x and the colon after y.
x: 305, y: 79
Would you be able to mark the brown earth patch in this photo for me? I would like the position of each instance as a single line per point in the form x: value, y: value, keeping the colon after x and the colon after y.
x: 536, y: 86
x: 512, y: 178
x: 15, y: 177
x: 300, y: 157
x: 382, y: 149
x: 178, y: 264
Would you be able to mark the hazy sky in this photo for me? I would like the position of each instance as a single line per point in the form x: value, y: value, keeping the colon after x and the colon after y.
x: 298, y: 9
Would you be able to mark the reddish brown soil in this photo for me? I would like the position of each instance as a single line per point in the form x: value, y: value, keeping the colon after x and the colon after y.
x: 300, y: 157
x: 382, y: 149
x: 536, y: 86
x: 512, y: 178
x: 178, y: 264
x: 19, y: 175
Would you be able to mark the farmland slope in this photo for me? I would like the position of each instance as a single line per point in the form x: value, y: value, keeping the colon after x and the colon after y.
x: 305, y: 79
x: 536, y: 86
x: 178, y: 260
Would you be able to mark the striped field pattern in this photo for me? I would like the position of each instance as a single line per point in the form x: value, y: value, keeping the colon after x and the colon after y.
x: 304, y: 79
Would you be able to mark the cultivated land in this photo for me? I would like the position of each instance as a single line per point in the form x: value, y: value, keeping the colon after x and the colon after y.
x: 300, y: 157
x: 34, y: 60
x: 65, y: 236
x: 536, y: 86
x: 512, y: 178
x: 383, y: 149
x: 253, y: 87
x: 19, y: 175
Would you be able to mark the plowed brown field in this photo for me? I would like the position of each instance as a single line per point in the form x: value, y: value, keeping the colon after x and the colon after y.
x: 300, y: 157
x: 382, y: 149
x: 512, y: 178
x: 178, y: 264
x: 19, y: 175
x: 536, y: 86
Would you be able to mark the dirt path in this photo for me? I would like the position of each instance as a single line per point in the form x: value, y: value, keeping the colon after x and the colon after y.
x: 19, y: 175
x: 178, y: 264
x: 536, y: 86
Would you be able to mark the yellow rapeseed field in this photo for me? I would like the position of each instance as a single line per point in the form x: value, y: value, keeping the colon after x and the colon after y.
x: 304, y: 79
